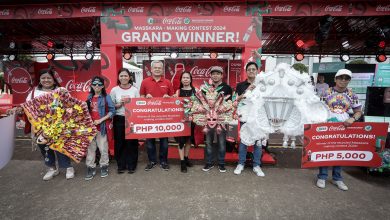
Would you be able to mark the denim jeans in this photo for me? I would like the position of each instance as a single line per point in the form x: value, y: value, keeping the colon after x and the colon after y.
x: 209, y: 152
x: 151, y: 148
x: 257, y: 151
x: 63, y: 160
x: 336, y: 173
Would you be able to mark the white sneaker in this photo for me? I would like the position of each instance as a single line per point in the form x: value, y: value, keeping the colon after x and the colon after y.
x: 340, y: 184
x: 239, y: 169
x: 51, y: 172
x: 258, y: 171
x: 69, y: 173
x: 321, y: 183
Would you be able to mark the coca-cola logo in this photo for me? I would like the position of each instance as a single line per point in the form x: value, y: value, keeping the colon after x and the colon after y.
x: 154, y: 102
x: 175, y: 20
x: 185, y: 9
x: 283, y: 8
x: 337, y: 128
x: 383, y: 8
x: 136, y: 10
x: 20, y: 80
x: 71, y: 86
x: 46, y: 11
x: 335, y: 8
x: 4, y: 12
x: 196, y: 71
x: 230, y: 9
x: 88, y: 9
x: 235, y: 64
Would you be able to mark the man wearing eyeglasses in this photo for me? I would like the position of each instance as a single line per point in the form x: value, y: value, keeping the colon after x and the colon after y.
x: 251, y: 72
x: 340, y: 100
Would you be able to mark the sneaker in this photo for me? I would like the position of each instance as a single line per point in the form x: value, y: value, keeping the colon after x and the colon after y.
x: 340, y: 184
x: 207, y: 167
x: 238, y: 169
x: 164, y: 166
x: 183, y: 166
x: 69, y: 173
x: 258, y: 171
x: 104, y: 171
x: 222, y: 168
x: 131, y: 171
x: 91, y: 172
x: 121, y: 171
x: 51, y: 172
x: 150, y: 166
x: 321, y: 183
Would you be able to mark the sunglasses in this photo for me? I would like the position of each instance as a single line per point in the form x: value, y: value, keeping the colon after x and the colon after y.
x: 97, y: 84
x: 346, y: 78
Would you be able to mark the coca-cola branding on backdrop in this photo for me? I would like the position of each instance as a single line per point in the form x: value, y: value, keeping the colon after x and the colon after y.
x: 154, y: 102
x: 4, y: 12
x: 171, y: 21
x: 45, y: 11
x: 334, y: 8
x: 231, y: 9
x: 73, y: 86
x: 383, y: 8
x: 197, y: 72
x: 283, y: 8
x: 20, y: 80
x: 88, y: 9
x: 183, y: 9
x: 135, y: 9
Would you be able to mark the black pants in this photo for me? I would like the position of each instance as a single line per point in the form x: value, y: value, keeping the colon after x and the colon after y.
x: 126, y: 151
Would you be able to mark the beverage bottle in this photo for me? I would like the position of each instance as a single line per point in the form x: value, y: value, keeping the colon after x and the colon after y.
x: 179, y: 69
x: 248, y: 32
x: 148, y: 73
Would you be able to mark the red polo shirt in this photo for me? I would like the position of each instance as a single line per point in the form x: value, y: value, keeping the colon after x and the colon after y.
x: 156, y: 88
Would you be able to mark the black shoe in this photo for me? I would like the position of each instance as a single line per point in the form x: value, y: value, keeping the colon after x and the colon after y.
x: 121, y: 171
x: 150, y: 166
x: 188, y: 163
x: 207, y: 167
x: 164, y: 166
x: 222, y: 168
x: 183, y: 166
x: 131, y: 171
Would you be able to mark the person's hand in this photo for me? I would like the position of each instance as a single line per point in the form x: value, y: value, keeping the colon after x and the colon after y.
x: 97, y: 122
x: 255, y: 54
x: 251, y: 87
x: 349, y: 122
x: 166, y: 96
x: 174, y: 95
x: 118, y: 105
x: 148, y: 96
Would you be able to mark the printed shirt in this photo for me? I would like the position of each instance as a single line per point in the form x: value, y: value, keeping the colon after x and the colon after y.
x: 340, y: 103
x: 95, y: 111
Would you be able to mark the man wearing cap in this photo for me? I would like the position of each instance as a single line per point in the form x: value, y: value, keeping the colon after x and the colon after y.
x: 340, y: 101
x: 216, y: 73
x: 156, y: 86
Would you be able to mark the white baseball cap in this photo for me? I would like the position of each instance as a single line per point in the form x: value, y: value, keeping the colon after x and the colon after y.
x: 343, y: 72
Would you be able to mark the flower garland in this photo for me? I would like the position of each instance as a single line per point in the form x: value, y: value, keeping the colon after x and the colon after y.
x: 61, y: 122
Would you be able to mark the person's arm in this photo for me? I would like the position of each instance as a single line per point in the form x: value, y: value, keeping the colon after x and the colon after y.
x: 357, y: 114
x: 113, y: 98
x: 142, y: 91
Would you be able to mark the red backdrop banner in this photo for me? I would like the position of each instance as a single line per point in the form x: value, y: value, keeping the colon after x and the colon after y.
x: 196, y: 8
x: 333, y: 144
x: 220, y: 31
x: 154, y: 118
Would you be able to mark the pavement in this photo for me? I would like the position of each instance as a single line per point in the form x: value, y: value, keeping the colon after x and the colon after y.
x: 286, y: 192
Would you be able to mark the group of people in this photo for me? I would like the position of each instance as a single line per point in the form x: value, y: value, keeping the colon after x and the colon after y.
x: 105, y: 108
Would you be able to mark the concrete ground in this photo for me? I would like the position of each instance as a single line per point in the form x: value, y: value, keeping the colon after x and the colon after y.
x: 286, y: 192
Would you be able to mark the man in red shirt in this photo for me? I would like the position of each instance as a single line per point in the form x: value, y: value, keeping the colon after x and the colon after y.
x: 156, y: 86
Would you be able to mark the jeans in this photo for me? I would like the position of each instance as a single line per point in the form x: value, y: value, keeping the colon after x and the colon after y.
x: 63, y: 160
x: 336, y: 173
x: 126, y: 150
x: 257, y: 151
x: 209, y: 152
x: 100, y: 141
x: 151, y: 148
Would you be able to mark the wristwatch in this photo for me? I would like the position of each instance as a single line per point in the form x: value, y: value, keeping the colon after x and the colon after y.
x: 355, y: 118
